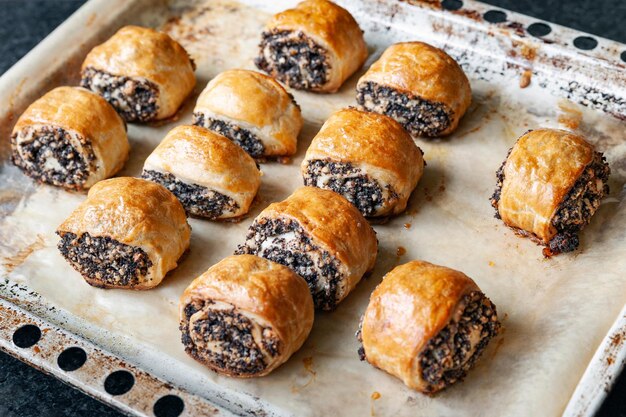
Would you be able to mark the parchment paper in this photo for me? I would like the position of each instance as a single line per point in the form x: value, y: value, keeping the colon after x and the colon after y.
x: 555, y: 312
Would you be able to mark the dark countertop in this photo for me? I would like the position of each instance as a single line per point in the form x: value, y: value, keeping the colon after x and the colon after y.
x: 26, y: 392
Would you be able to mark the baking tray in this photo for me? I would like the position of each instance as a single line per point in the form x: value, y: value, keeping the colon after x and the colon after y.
x: 565, y: 325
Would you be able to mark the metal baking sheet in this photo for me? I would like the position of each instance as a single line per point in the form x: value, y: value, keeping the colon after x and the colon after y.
x: 562, y: 346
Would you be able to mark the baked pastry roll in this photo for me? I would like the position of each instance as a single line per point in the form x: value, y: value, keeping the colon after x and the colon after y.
x: 321, y: 236
x: 71, y: 138
x: 549, y: 187
x: 419, y: 85
x: 315, y: 46
x: 366, y: 157
x: 427, y: 325
x: 144, y: 74
x: 245, y: 316
x: 251, y: 109
x: 211, y: 176
x: 128, y: 233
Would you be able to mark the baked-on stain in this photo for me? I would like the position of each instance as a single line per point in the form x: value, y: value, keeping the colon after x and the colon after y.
x: 569, y: 116
x: 401, y: 251
x: 407, y: 225
x: 617, y: 339
x: 375, y: 395
x: 12, y: 262
x: 524, y: 80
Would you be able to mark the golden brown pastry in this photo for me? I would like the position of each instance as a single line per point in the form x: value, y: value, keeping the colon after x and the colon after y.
x: 211, y: 176
x: 427, y: 325
x: 71, y: 138
x: 366, y: 157
x: 321, y: 236
x: 419, y: 85
x: 550, y: 186
x: 251, y: 109
x: 128, y: 234
x: 144, y: 74
x: 245, y: 316
x: 315, y: 46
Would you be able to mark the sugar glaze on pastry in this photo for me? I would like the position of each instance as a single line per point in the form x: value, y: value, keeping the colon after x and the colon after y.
x: 128, y: 233
x: 321, y: 236
x: 210, y: 175
x: 145, y: 74
x: 427, y: 325
x: 251, y: 109
x: 418, y: 85
x: 245, y: 316
x: 549, y: 187
x: 70, y: 138
x: 315, y: 46
x: 366, y: 157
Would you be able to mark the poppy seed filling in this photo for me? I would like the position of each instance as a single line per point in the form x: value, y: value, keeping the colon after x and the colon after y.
x: 196, y: 199
x: 449, y: 355
x: 354, y: 184
x: 284, y: 241
x: 418, y: 116
x: 46, y: 154
x: 242, y: 137
x: 293, y: 58
x: 104, y: 260
x: 578, y: 206
x: 224, y: 338
x: 136, y: 100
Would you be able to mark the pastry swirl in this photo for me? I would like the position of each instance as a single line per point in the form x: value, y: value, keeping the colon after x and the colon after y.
x: 251, y: 109
x: 321, y: 236
x: 245, y: 316
x: 366, y: 157
x: 550, y: 186
x: 427, y: 325
x: 128, y: 233
x: 419, y: 86
x: 70, y: 138
x: 211, y: 176
x: 145, y: 74
x: 315, y: 46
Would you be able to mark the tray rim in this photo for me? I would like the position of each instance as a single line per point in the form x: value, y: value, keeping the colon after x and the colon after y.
x: 595, y: 383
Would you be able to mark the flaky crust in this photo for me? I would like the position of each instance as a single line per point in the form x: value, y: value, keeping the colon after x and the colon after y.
x: 334, y: 225
x: 147, y: 54
x: 333, y: 28
x: 138, y: 213
x: 196, y: 155
x: 257, y: 103
x: 264, y: 291
x: 375, y: 143
x: 542, y: 167
x: 422, y: 70
x: 86, y: 114
x: 407, y: 309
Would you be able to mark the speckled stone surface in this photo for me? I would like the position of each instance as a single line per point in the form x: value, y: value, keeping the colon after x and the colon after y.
x: 26, y: 392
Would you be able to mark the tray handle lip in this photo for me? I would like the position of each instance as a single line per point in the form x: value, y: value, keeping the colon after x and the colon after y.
x: 89, y: 378
x: 603, y: 369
